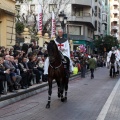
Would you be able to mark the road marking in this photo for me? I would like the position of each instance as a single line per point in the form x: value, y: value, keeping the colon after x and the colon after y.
x: 106, y: 107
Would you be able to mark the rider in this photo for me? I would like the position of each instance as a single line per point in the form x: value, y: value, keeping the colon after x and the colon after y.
x: 113, y: 51
x: 63, y: 46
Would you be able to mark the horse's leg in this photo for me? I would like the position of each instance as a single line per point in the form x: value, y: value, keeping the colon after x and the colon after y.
x: 111, y: 72
x: 114, y: 73
x: 62, y: 90
x: 49, y: 93
x: 66, y: 88
x: 58, y: 84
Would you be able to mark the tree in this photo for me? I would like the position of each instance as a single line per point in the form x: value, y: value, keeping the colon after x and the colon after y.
x: 58, y: 5
x: 19, y: 27
x: 104, y: 44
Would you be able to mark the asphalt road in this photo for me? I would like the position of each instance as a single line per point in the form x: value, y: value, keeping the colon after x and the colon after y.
x: 86, y: 98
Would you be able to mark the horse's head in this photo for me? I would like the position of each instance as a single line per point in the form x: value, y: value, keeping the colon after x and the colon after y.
x: 52, y: 51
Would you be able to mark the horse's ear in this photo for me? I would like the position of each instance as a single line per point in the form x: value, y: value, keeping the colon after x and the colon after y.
x: 52, y: 41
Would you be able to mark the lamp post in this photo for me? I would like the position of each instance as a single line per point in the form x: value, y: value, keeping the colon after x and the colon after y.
x: 63, y: 20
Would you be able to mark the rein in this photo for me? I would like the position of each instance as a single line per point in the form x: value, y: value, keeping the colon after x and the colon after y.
x: 56, y: 67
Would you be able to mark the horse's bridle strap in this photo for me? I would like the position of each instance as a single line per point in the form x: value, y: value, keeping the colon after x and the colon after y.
x: 56, y: 67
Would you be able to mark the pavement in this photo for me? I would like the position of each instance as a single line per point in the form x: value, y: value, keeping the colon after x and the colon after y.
x: 88, y: 99
x: 12, y: 97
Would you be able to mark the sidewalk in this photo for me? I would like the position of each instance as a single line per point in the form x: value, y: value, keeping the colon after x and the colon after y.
x: 111, y: 109
x: 25, y: 93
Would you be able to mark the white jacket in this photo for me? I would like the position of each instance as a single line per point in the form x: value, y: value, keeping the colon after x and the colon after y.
x: 64, y: 48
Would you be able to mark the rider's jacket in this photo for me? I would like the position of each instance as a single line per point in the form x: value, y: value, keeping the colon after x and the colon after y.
x: 63, y: 46
x: 117, y: 55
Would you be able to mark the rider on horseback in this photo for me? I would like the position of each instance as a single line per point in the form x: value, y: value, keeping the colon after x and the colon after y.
x: 63, y: 46
x: 112, y: 58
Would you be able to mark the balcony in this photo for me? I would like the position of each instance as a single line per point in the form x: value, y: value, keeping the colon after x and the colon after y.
x: 86, y: 17
x: 82, y: 2
x: 115, y: 11
x: 115, y: 35
x: 115, y: 27
x: 116, y: 3
x: 116, y: 19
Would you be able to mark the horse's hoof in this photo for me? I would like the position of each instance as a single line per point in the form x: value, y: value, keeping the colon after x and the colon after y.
x: 58, y: 95
x: 62, y: 99
x: 48, y: 106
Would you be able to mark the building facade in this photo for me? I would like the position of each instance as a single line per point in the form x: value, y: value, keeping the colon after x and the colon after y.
x: 81, y: 23
x: 7, y: 23
x: 87, y: 19
x: 115, y: 18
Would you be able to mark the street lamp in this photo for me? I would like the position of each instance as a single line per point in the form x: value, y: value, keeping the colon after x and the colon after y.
x: 62, y: 19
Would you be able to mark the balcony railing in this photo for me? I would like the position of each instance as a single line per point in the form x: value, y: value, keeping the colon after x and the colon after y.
x: 84, y: 17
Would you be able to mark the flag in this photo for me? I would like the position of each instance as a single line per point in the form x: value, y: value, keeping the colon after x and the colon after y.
x: 53, y: 25
x: 40, y: 18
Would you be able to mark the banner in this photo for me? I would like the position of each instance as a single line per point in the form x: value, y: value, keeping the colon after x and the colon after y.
x: 40, y: 18
x: 53, y: 25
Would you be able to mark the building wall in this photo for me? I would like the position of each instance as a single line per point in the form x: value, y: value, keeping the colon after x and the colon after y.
x: 7, y: 24
x: 115, y: 19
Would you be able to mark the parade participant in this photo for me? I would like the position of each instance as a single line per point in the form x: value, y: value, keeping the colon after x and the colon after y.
x: 112, y: 52
x: 63, y: 46
x: 117, y: 53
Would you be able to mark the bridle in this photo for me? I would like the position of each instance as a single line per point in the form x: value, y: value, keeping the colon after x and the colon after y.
x: 56, y: 67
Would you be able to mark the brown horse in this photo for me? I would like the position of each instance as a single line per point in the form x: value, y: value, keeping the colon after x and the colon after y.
x: 56, y: 71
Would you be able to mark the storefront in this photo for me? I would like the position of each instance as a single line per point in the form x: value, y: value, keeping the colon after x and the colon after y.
x: 87, y: 44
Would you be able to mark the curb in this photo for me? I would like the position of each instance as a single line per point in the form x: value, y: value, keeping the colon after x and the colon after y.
x: 33, y: 90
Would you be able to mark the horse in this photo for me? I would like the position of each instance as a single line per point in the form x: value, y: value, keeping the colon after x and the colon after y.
x: 112, y: 67
x: 57, y: 71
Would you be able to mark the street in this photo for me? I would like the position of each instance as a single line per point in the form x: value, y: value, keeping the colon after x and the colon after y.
x: 86, y: 98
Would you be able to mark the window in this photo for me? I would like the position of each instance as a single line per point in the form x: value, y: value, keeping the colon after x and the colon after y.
x: 17, y: 9
x: 78, y: 12
x: 52, y: 7
x: 32, y: 8
x: 76, y: 30
x: 96, y: 24
x: 96, y: 11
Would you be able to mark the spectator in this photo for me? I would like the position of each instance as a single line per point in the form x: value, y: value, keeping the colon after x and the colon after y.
x: 4, y: 76
x: 92, y: 65
x: 32, y: 66
x: 16, y: 47
x: 8, y: 65
x: 83, y: 66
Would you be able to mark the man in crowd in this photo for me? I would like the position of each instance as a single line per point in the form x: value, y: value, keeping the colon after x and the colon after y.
x: 5, y: 76
x: 8, y: 65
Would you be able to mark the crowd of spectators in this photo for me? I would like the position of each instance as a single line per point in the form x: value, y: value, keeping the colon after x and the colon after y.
x: 19, y: 65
